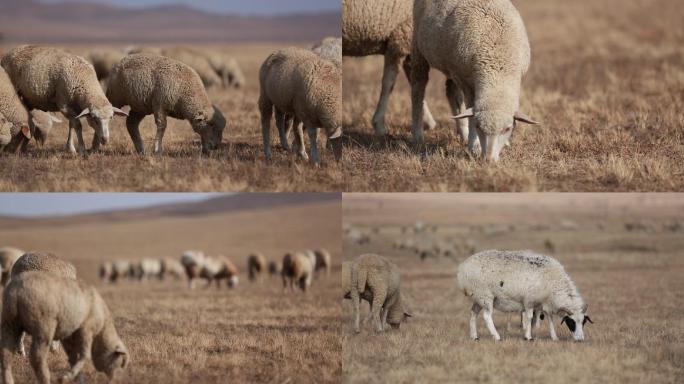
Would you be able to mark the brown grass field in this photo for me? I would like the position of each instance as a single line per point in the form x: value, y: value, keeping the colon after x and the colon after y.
x: 254, y: 333
x: 631, y: 281
x: 606, y: 81
x: 238, y: 165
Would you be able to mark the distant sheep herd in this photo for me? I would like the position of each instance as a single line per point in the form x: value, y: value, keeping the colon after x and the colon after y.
x: 301, y: 87
x: 44, y: 297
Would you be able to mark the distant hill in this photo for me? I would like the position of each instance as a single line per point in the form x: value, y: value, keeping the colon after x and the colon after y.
x: 73, y: 22
x: 223, y: 204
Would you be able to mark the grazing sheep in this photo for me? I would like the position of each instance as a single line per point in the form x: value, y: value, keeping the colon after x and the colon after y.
x: 298, y: 269
x: 298, y: 83
x: 17, y: 125
x: 104, y: 60
x: 106, y: 271
x: 217, y: 269
x: 376, y: 279
x: 330, y: 48
x: 196, y: 60
x: 8, y: 256
x: 482, y: 47
x: 172, y: 267
x: 152, y: 84
x: 192, y: 261
x: 517, y: 281
x: 323, y: 260
x: 256, y: 266
x: 147, y: 269
x: 56, y: 81
x: 121, y: 269
x: 227, y: 68
x: 50, y: 307
x: 381, y: 27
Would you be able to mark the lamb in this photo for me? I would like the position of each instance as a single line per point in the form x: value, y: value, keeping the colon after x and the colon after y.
x: 195, y: 60
x: 517, y: 281
x: 217, y: 269
x: 323, y: 260
x: 298, y: 83
x: 482, y: 47
x: 192, y: 261
x: 147, y: 269
x: 227, y: 68
x: 330, y: 48
x: 298, y: 269
x: 381, y: 27
x: 18, y: 125
x: 8, y: 256
x: 50, y: 307
x: 172, y: 267
x: 377, y: 280
x: 256, y: 266
x: 56, y: 81
x: 152, y: 84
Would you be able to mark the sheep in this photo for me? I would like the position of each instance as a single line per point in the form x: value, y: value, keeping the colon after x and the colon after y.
x: 121, y: 269
x: 329, y: 48
x: 146, y: 269
x: 482, y: 47
x: 517, y: 281
x: 298, y: 83
x: 172, y: 267
x: 256, y: 266
x: 227, y: 68
x: 377, y: 280
x: 381, y: 27
x: 17, y: 123
x: 152, y: 84
x: 50, y: 307
x: 103, y: 61
x: 298, y: 269
x: 192, y: 261
x: 323, y: 260
x: 56, y: 81
x: 217, y: 269
x: 106, y: 271
x: 8, y: 256
x: 195, y: 60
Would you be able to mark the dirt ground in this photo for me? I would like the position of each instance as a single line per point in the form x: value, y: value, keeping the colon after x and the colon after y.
x: 253, y: 333
x: 631, y: 280
x: 604, y: 82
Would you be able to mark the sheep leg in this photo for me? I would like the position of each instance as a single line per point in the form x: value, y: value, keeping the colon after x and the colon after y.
x: 490, y: 322
x: 10, y: 340
x: 75, y: 126
x: 552, y: 328
x: 82, y: 344
x: 428, y: 120
x: 378, y: 301
x: 528, y: 315
x: 313, y: 143
x: 389, y: 77
x: 474, y: 311
x: 71, y: 350
x: 5, y: 360
x: 133, y: 126
x: 160, y: 119
x: 457, y: 102
x: 266, y: 109
x: 39, y: 359
x: 383, y: 315
x: 283, y: 123
x: 298, y: 142
x: 420, y: 69
x: 356, y: 301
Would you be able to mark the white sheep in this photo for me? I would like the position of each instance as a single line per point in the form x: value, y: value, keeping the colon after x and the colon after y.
x: 377, y: 280
x: 53, y: 80
x: 298, y: 83
x: 323, y: 260
x: 192, y: 261
x: 147, y: 269
x: 172, y: 267
x: 215, y: 269
x: 197, y: 60
x: 152, y: 84
x: 227, y: 68
x: 8, y: 256
x: 121, y: 269
x: 50, y: 307
x: 298, y: 269
x: 329, y: 48
x: 104, y: 60
x: 521, y: 281
x: 381, y: 27
x: 482, y: 46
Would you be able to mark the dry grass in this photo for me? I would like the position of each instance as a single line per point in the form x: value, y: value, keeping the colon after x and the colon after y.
x: 605, y: 81
x: 239, y: 164
x: 254, y: 333
x: 631, y: 280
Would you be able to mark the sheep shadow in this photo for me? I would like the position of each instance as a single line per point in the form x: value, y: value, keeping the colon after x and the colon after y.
x: 401, y: 143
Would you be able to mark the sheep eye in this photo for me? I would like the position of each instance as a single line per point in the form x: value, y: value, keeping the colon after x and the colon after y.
x: 507, y: 129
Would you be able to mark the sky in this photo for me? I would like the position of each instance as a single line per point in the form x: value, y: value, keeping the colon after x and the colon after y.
x: 50, y: 204
x: 260, y: 7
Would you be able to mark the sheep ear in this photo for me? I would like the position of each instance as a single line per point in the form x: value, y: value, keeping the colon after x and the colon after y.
x: 26, y: 131
x: 117, y: 111
x: 85, y: 112
x: 408, y: 314
x: 586, y: 318
x: 468, y: 113
x: 519, y: 116
x: 336, y: 134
